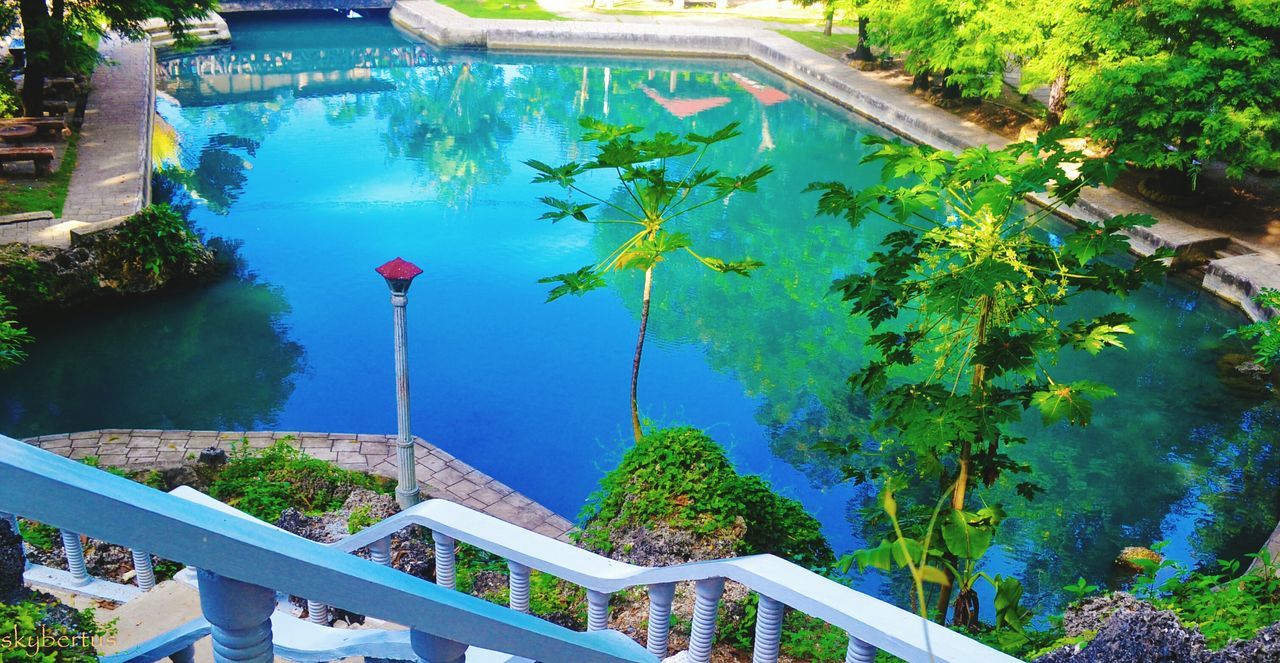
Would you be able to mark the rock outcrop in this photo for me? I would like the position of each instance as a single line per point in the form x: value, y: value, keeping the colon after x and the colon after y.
x: 1130, y: 630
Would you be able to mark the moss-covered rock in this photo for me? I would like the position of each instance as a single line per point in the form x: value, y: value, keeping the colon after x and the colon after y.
x: 675, y: 497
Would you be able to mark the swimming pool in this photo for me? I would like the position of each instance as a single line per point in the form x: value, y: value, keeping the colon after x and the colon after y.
x: 322, y: 147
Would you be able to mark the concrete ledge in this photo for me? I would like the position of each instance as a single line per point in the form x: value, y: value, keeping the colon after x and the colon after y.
x: 288, y: 5
x: 25, y: 217
x: 49, y: 578
x: 81, y: 233
x: 1238, y: 278
x: 865, y: 94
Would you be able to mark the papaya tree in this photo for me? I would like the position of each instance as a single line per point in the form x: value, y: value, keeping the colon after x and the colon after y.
x: 968, y: 299
x: 660, y: 181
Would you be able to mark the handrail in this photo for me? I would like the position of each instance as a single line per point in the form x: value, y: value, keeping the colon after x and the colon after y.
x: 49, y: 488
x: 869, y: 619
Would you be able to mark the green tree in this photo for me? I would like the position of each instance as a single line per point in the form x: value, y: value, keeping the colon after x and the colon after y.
x: 54, y: 32
x: 1182, y: 83
x: 966, y: 301
x: 655, y: 192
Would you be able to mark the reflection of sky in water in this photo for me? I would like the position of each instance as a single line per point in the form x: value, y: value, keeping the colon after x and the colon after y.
x: 430, y: 168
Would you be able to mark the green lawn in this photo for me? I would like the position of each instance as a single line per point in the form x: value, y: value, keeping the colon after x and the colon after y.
x: 18, y: 195
x: 526, y: 9
x: 835, y: 45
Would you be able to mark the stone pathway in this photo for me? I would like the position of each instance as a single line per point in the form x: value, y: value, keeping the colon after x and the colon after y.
x: 113, y: 167
x: 440, y: 475
x: 112, y: 178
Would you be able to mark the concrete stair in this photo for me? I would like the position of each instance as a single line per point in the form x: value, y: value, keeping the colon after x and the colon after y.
x: 208, y: 31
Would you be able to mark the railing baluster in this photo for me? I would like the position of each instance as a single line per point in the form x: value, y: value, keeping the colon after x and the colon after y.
x: 768, y: 630
x: 859, y: 652
x: 240, y: 616
x: 317, y: 612
x: 706, y: 607
x: 187, y: 655
x: 446, y: 558
x: 380, y: 551
x: 435, y: 649
x: 74, y: 551
x: 518, y: 584
x: 660, y: 598
x: 143, y: 572
x: 597, y: 610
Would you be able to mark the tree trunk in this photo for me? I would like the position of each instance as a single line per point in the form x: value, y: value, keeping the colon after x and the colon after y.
x: 1057, y: 99
x: 950, y: 91
x: 979, y: 391
x: 863, y: 50
x: 58, y: 39
x: 831, y: 18
x: 35, y: 33
x: 635, y: 363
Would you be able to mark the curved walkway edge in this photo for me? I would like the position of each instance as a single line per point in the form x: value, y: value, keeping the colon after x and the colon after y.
x: 440, y: 474
x: 1235, y: 278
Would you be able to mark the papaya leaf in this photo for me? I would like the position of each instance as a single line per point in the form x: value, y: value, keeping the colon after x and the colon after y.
x: 1073, y: 401
x: 573, y: 283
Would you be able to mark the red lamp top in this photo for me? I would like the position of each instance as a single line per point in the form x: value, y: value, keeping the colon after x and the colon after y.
x: 399, y: 270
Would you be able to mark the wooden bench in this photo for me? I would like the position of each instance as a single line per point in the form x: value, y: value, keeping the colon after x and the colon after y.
x: 49, y: 127
x: 40, y: 157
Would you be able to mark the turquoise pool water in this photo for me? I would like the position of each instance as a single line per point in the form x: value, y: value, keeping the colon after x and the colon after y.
x: 322, y: 147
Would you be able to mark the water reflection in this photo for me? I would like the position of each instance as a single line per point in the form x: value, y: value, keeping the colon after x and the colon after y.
x: 215, y: 358
x: 327, y: 160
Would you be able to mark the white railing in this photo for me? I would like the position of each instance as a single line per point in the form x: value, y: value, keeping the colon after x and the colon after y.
x: 870, y: 623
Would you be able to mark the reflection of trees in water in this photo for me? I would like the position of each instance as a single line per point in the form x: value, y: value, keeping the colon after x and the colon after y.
x: 1106, y: 487
x: 219, y: 175
x: 1241, y: 482
x: 229, y: 334
x: 450, y: 119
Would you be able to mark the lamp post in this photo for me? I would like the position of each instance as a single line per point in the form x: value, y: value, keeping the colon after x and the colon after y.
x: 399, y: 275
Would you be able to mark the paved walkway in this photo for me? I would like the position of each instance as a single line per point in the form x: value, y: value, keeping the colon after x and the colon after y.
x: 113, y: 166
x: 112, y: 178
x: 440, y: 475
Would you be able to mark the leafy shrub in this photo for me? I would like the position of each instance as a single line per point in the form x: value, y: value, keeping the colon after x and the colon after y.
x: 157, y: 244
x: 23, y: 279
x: 1224, y: 605
x: 265, y: 482
x: 683, y: 478
x: 12, y: 336
x: 29, y: 634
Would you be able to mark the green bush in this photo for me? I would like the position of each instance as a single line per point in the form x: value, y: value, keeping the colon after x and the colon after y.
x: 12, y: 336
x: 265, y: 482
x: 156, y: 244
x: 683, y: 478
x: 28, y: 636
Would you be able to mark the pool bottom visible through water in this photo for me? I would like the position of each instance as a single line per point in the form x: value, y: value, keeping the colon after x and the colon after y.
x: 320, y: 147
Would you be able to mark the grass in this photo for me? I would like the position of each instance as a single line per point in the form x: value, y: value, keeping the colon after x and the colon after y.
x: 835, y: 45
x: 40, y: 195
x: 526, y: 9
